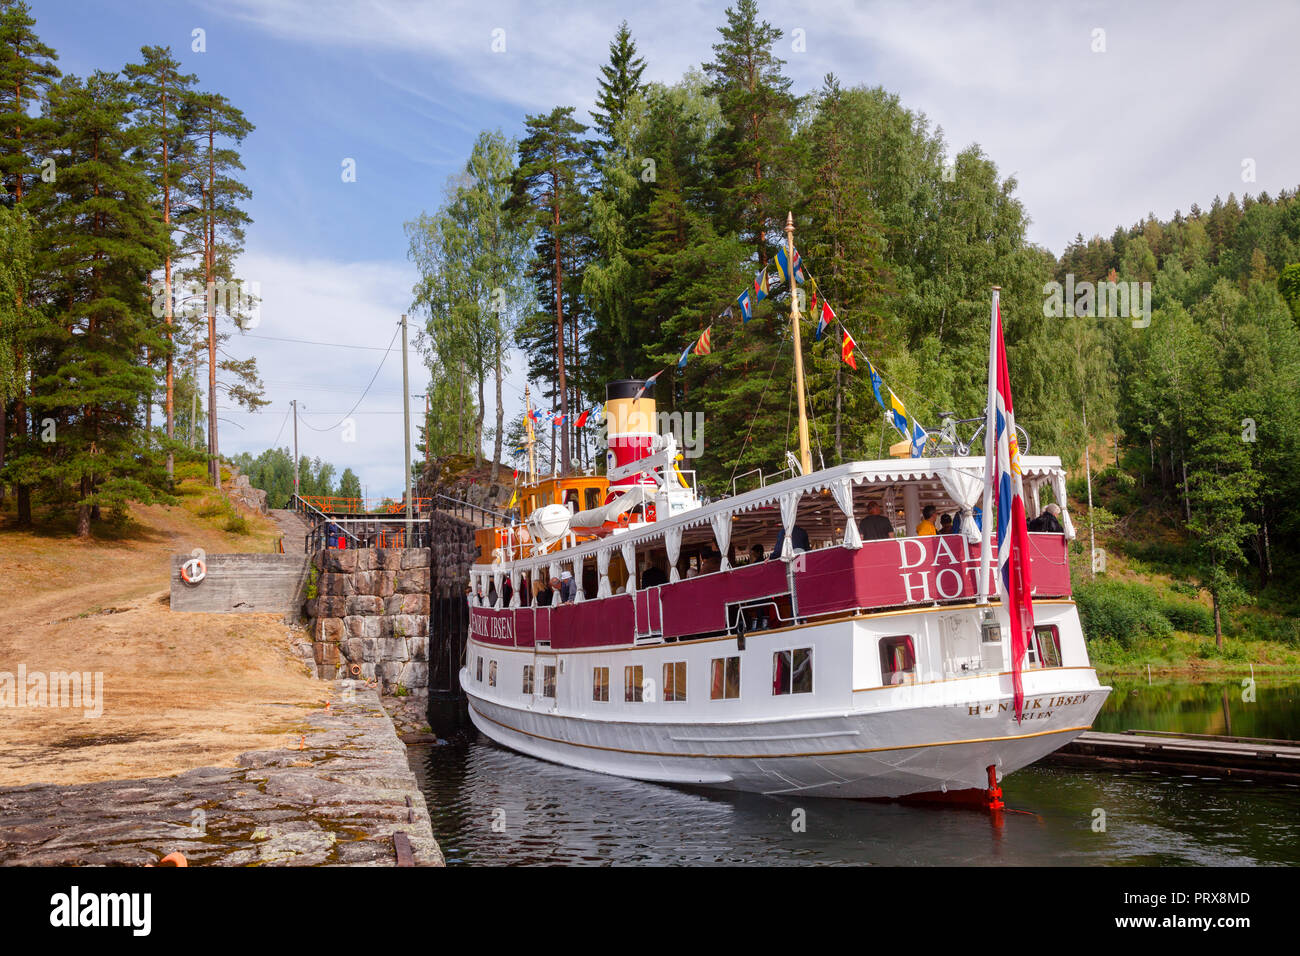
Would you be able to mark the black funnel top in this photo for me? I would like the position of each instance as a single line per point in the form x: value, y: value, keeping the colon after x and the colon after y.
x: 627, y: 388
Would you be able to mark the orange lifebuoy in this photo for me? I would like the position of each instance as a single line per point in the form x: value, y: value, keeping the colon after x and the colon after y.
x: 193, y: 571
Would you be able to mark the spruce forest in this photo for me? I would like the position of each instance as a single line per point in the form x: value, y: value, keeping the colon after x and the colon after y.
x: 597, y: 246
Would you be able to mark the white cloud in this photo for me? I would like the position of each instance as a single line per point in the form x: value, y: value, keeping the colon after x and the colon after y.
x: 347, y: 304
x: 1160, y: 120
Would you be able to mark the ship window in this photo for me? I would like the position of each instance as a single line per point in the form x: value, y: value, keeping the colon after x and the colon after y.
x: 548, y: 680
x: 528, y: 678
x: 478, y: 669
x: 492, y: 673
x: 633, y: 684
x: 897, y: 660
x: 792, y: 671
x: 675, y: 681
x: 600, y: 683
x: 724, y: 678
x: 593, y: 498
x: 1047, y: 652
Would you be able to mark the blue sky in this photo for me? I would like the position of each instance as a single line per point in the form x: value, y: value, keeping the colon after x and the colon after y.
x: 1164, y: 116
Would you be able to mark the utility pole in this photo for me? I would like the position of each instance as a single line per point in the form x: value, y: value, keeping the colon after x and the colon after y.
x: 406, y: 420
x: 294, y: 403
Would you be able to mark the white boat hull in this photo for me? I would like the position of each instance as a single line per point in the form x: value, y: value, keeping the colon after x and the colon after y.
x: 922, y: 740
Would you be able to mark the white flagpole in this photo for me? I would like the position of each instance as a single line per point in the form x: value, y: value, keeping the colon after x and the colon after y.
x: 990, y: 452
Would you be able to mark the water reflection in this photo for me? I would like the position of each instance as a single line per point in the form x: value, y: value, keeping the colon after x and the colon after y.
x: 492, y: 806
x: 1220, y: 707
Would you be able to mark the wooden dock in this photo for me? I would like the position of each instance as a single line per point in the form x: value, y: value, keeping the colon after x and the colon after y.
x: 1203, y: 754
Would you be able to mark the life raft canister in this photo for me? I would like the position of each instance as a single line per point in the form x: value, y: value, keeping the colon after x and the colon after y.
x: 193, y: 571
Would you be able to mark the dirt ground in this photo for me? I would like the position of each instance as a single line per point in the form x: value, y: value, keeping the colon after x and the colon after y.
x: 180, y: 691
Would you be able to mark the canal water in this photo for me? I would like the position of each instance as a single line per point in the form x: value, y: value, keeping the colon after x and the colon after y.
x: 492, y: 806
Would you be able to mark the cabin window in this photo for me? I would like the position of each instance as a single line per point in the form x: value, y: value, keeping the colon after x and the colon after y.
x: 724, y: 678
x: 593, y: 498
x: 675, y: 681
x: 528, y: 678
x: 792, y: 671
x: 492, y: 673
x: 478, y: 669
x: 1045, y: 651
x: 600, y: 684
x: 633, y: 684
x: 897, y: 660
x: 548, y: 680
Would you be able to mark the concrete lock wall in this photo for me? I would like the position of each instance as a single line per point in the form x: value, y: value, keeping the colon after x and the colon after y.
x: 242, y: 583
x: 371, y: 609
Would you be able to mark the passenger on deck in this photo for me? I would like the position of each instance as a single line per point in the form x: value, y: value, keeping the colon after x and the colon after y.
x: 798, y: 541
x: 653, y: 576
x: 1048, y: 520
x: 567, y: 587
x: 546, y: 596
x: 710, y: 561
x: 926, y: 527
x: 756, y: 553
x: 945, y: 524
x: 875, y: 525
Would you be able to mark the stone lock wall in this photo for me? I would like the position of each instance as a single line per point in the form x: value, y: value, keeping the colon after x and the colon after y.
x: 372, y: 608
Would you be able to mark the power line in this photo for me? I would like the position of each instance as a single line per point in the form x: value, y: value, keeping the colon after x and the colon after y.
x: 283, y: 422
x: 363, y: 394
x: 336, y: 345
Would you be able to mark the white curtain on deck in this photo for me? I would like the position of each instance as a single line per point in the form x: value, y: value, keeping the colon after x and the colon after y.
x: 602, y: 568
x: 629, y: 562
x: 789, y: 509
x: 722, y: 535
x: 842, y: 489
x: 673, y: 545
x: 516, y: 582
x: 578, y: 595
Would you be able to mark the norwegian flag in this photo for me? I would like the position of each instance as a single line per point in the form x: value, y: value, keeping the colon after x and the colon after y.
x: 1013, y: 534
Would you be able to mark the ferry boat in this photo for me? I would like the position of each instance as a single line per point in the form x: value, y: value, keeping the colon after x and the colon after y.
x: 757, y: 642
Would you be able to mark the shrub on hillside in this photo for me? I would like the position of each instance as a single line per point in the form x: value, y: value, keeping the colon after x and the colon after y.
x: 1120, y: 611
x: 1189, y: 617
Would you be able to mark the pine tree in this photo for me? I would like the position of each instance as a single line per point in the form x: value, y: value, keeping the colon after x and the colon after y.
x: 159, y: 91
x: 219, y: 128
x: 550, y: 184
x: 26, y: 72
x: 100, y: 242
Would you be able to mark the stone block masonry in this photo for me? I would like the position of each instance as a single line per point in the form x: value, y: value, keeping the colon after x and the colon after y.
x: 369, y: 616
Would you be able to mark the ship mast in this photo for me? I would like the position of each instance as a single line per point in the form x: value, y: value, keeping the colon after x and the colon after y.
x: 805, y: 455
x: 528, y: 432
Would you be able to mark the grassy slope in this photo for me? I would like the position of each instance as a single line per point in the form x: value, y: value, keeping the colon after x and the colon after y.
x: 180, y: 690
x: 1150, y: 565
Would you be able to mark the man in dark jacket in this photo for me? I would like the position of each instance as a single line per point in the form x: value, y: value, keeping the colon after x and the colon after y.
x: 875, y: 525
x: 1047, y: 521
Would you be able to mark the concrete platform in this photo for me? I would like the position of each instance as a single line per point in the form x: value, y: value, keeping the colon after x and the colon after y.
x: 242, y: 583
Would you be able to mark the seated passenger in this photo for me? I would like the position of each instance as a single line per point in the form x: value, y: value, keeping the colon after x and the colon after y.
x: 945, y: 524
x: 756, y: 553
x: 653, y: 576
x: 798, y: 541
x: 875, y: 525
x: 926, y: 527
x: 1047, y: 520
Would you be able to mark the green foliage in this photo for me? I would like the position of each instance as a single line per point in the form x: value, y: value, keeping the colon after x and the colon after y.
x: 1124, y: 613
x: 313, y: 583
